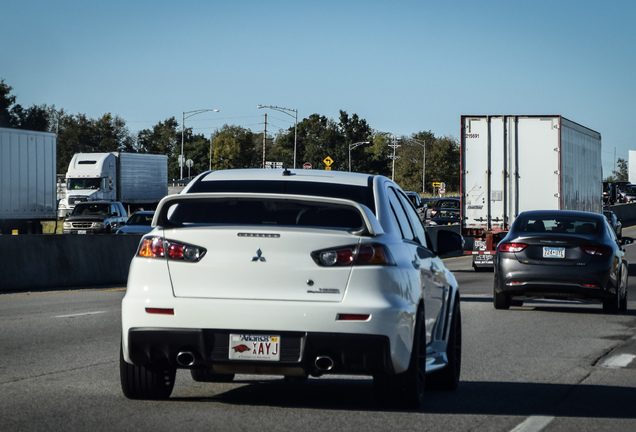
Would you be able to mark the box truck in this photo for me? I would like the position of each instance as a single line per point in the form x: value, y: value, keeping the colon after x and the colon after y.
x: 135, y: 179
x: 512, y: 163
x: 28, y: 190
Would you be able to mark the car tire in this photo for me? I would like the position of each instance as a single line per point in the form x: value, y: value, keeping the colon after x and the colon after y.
x: 612, y: 304
x: 448, y: 378
x: 206, y: 375
x: 406, y: 390
x: 140, y: 382
x: 622, y: 304
x: 501, y: 300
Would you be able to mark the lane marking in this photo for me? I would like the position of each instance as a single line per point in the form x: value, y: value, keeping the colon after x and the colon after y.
x: 619, y: 361
x: 533, y: 424
x: 80, y: 314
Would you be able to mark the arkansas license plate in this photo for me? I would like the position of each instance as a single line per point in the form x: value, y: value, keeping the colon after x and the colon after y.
x: 254, y: 347
x: 553, y: 252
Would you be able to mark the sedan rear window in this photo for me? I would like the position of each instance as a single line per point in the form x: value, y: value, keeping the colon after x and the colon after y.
x: 558, y: 225
x: 360, y: 194
x: 242, y: 211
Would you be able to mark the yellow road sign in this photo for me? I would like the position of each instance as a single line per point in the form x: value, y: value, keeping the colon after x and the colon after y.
x: 437, y: 184
x: 328, y: 161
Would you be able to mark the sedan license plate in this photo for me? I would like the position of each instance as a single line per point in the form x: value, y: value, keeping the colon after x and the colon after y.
x: 553, y: 252
x: 254, y: 347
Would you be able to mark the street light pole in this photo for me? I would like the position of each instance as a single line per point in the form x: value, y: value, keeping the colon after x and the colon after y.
x: 285, y: 111
x: 190, y: 114
x: 354, y: 145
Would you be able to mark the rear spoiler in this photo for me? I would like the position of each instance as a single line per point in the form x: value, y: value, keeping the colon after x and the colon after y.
x: 371, y: 227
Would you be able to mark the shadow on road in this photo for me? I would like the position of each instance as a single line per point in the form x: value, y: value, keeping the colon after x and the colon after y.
x: 480, y: 398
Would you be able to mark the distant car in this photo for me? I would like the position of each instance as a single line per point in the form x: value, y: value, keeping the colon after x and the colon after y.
x: 628, y: 193
x: 563, y: 255
x: 291, y: 273
x: 95, y: 217
x: 419, y: 205
x: 138, y: 223
x: 615, y: 222
x: 444, y: 203
x: 445, y: 216
x: 620, y: 188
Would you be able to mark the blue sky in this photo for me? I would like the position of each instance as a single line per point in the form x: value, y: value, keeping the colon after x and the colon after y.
x: 404, y: 66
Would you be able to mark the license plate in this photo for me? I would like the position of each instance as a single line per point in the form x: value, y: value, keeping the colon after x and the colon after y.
x: 81, y: 231
x: 484, y: 258
x: 553, y: 252
x: 254, y: 347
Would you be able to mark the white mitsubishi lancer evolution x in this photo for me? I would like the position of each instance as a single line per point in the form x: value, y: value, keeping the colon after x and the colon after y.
x: 292, y: 273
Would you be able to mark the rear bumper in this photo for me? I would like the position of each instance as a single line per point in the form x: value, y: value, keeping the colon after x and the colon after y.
x: 593, y: 282
x: 350, y: 353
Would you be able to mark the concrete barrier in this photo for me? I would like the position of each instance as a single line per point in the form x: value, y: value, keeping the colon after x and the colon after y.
x: 35, y: 262
x: 38, y: 262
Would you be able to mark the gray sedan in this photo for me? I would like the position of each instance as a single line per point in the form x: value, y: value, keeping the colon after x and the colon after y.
x: 563, y: 255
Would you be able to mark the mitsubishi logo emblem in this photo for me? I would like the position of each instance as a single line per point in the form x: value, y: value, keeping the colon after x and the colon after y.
x: 259, y: 256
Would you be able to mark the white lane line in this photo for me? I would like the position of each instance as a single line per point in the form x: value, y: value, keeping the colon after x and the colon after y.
x: 80, y: 314
x: 533, y: 424
x: 619, y: 361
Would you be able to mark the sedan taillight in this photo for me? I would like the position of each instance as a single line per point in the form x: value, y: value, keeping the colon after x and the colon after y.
x: 512, y: 247
x: 368, y: 254
x: 156, y: 247
x: 597, y: 250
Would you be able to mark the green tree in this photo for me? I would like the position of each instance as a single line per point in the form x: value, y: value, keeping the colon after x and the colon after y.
x: 7, y: 102
x: 234, y: 147
x: 162, y: 139
x: 623, y: 170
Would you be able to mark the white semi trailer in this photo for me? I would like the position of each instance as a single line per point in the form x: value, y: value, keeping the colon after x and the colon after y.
x: 28, y: 194
x: 135, y: 179
x: 512, y: 163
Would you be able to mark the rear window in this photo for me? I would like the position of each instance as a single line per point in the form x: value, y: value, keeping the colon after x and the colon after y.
x: 551, y: 224
x: 360, y: 194
x: 242, y: 211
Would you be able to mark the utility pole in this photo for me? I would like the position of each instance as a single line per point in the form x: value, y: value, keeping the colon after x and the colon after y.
x: 264, y: 140
x: 395, y: 145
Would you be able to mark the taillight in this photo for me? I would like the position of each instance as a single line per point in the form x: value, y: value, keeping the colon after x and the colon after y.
x: 512, y: 247
x: 597, y: 250
x: 156, y: 247
x: 368, y: 254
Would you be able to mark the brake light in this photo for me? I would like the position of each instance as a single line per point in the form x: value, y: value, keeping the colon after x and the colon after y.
x: 597, y: 250
x: 156, y: 247
x: 368, y: 254
x: 512, y: 247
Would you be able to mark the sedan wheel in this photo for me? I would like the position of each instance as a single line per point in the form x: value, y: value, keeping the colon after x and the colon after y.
x: 139, y: 382
x: 448, y: 378
x: 622, y: 306
x: 406, y: 390
x: 501, y: 300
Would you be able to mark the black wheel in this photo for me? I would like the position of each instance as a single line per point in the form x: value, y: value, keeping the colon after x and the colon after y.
x: 139, y: 382
x: 406, y: 390
x: 622, y: 304
x: 611, y: 305
x: 501, y: 300
x: 448, y: 378
x: 206, y: 375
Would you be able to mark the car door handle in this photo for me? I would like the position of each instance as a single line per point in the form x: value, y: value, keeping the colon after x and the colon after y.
x: 416, y: 263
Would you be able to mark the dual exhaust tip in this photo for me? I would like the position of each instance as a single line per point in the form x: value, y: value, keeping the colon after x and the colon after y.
x: 321, y: 364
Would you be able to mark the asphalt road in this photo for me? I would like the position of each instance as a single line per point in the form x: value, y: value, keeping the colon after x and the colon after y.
x: 545, y: 366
